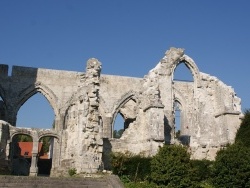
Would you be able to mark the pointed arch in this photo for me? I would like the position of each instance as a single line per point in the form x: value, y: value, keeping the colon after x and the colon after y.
x: 131, y: 95
x: 189, y: 62
x: 32, y: 90
x: 77, y: 96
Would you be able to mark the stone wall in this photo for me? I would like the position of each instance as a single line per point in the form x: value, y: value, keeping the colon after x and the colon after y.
x: 86, y: 104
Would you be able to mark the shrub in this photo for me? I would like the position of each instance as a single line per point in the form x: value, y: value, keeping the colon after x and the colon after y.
x: 130, y: 167
x: 72, y: 171
x: 200, y: 170
x: 243, y: 133
x: 144, y: 184
x: 232, y: 167
x: 170, y: 167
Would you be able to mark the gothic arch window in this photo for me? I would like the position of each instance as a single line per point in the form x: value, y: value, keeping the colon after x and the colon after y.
x: 124, y: 116
x: 182, y: 73
x: 118, y: 128
x: 36, y: 112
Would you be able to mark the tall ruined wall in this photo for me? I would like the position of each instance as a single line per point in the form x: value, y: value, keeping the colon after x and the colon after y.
x: 115, y: 92
x: 82, y: 135
x: 86, y: 105
x: 210, y: 111
x: 56, y: 86
x: 217, y: 110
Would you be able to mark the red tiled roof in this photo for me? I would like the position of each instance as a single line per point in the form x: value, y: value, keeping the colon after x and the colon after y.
x: 26, y: 148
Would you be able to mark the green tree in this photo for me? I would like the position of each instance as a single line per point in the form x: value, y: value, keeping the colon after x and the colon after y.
x: 243, y: 134
x: 232, y: 167
x: 131, y: 167
x: 24, y: 138
x: 200, y: 170
x: 170, y: 167
x: 118, y: 134
x: 46, y: 144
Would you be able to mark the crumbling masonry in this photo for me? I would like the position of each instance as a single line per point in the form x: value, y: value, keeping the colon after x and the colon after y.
x: 86, y: 105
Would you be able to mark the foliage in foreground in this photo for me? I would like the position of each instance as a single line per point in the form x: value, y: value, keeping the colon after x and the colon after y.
x: 130, y: 167
x: 170, y: 166
x: 232, y: 167
x: 243, y: 134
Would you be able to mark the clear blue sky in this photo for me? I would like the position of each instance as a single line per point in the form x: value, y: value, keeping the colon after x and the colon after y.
x: 129, y: 37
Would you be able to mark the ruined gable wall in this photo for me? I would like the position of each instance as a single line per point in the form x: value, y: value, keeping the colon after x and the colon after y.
x: 211, y: 110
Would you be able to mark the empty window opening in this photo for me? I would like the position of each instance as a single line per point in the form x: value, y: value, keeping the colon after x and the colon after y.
x: 118, y: 126
x: 36, y: 112
x: 182, y: 73
x: 44, y: 162
x: 21, y: 154
x: 125, y: 116
x: 177, y: 113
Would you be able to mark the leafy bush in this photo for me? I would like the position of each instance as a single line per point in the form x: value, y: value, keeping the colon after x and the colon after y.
x: 130, y: 167
x: 232, y: 167
x: 170, y: 167
x: 72, y: 171
x: 200, y: 170
x: 244, y: 130
x: 144, y: 184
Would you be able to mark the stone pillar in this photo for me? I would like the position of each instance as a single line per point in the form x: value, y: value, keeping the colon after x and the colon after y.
x: 33, y: 167
x: 56, y: 156
x: 107, y: 129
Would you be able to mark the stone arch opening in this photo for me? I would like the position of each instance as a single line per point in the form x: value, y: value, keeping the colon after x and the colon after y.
x: 190, y: 64
x: 182, y: 73
x: 31, y: 90
x: 45, y: 158
x: 181, y: 124
x: 21, y: 147
x: 178, y: 118
x: 38, y: 105
x: 118, y: 126
x: 125, y: 114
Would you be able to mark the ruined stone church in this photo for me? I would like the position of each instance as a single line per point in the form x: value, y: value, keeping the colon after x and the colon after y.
x: 86, y: 105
